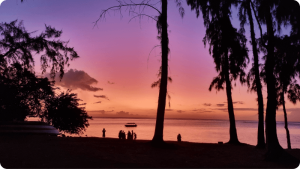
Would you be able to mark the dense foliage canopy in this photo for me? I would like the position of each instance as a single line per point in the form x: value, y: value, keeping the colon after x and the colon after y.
x: 22, y: 93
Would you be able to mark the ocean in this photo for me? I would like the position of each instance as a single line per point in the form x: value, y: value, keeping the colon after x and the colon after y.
x: 200, y: 131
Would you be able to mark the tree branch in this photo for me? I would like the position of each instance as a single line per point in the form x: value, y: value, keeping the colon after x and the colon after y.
x: 151, y: 52
x: 261, y: 36
x: 132, y: 6
x: 140, y: 15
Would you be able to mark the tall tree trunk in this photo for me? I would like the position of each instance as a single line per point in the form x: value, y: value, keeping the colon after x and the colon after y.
x: 286, y: 123
x: 273, y: 147
x: 159, y: 127
x: 260, y: 133
x: 232, y: 129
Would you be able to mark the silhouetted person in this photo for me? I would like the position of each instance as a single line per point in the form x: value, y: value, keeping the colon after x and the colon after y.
x: 120, y: 134
x: 103, y: 131
x: 134, y: 136
x: 124, y: 135
x: 179, y: 138
x: 129, y: 136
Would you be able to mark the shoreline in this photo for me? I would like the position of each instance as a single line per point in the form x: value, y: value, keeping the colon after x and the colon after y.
x: 92, y: 152
x: 153, y: 118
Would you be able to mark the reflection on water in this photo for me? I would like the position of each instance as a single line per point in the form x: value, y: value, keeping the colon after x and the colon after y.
x: 202, y: 131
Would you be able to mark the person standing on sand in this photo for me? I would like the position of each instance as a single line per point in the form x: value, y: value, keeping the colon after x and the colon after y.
x: 129, y: 135
x: 120, y: 135
x: 179, y: 138
x: 134, y: 136
x: 103, y: 131
x: 123, y: 135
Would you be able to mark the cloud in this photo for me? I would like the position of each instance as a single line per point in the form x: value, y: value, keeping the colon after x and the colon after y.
x: 122, y: 113
x: 237, y: 102
x: 201, y: 111
x: 205, y: 111
x: 110, y: 82
x: 222, y: 109
x: 101, y: 111
x: 220, y: 105
x: 207, y: 104
x: 237, y: 109
x: 295, y: 115
x: 169, y: 109
x: 97, y: 102
x: 82, y: 104
x: 101, y: 96
x: 246, y: 109
x: 180, y: 111
x: 77, y: 79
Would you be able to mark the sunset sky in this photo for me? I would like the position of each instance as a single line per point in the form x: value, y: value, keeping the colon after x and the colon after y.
x: 114, y: 73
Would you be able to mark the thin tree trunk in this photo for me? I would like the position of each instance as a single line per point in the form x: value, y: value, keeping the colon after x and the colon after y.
x: 159, y: 127
x: 232, y: 129
x: 286, y: 124
x: 273, y: 147
x: 260, y: 133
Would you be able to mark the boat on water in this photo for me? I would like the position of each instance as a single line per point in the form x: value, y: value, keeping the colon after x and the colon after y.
x: 130, y: 125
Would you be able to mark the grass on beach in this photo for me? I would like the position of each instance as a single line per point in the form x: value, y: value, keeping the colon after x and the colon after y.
x: 87, y: 152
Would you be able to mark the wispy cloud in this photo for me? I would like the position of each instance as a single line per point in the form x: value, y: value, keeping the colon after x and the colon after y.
x: 122, y: 113
x: 220, y: 105
x: 246, y: 109
x: 237, y: 109
x: 202, y: 110
x: 97, y: 102
x: 221, y: 109
x: 102, y: 111
x: 101, y: 96
x: 207, y: 104
x: 169, y: 109
x: 110, y: 82
x: 236, y: 102
x: 180, y: 111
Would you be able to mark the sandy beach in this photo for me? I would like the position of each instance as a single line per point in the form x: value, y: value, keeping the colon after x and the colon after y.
x: 89, y: 152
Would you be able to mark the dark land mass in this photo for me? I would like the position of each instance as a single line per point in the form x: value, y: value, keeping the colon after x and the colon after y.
x: 90, y: 152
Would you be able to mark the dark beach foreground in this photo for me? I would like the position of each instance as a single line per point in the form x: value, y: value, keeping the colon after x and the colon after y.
x: 87, y: 152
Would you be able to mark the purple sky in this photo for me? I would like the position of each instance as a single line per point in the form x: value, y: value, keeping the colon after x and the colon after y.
x: 115, y: 56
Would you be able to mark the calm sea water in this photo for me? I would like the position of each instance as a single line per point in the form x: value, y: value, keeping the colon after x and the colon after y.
x: 201, y: 131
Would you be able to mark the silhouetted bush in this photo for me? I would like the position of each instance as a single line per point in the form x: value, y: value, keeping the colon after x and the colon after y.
x: 64, y: 113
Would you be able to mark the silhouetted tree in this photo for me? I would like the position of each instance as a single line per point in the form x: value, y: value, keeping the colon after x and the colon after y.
x: 157, y: 84
x: 64, y: 113
x: 273, y: 14
x: 253, y: 79
x: 227, y: 46
x: 287, y: 54
x: 21, y: 93
x: 17, y: 45
x: 264, y: 12
x: 162, y: 26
